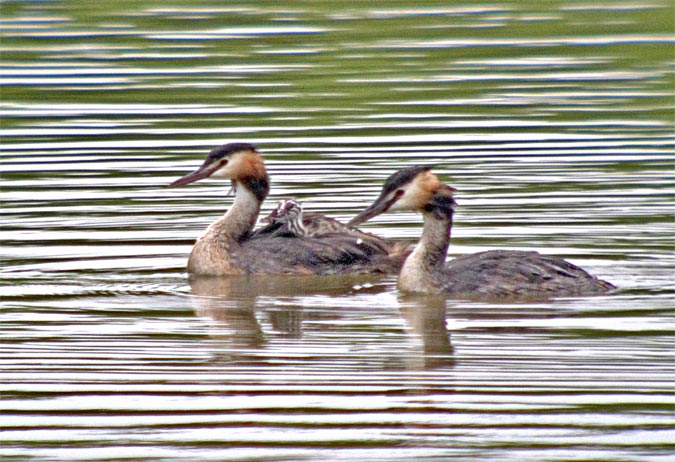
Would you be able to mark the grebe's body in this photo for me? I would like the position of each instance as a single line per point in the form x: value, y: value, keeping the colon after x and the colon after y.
x: 495, y: 273
x: 230, y: 247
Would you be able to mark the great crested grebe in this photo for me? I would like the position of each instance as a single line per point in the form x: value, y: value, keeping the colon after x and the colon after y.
x: 494, y: 273
x: 289, y: 220
x: 229, y: 246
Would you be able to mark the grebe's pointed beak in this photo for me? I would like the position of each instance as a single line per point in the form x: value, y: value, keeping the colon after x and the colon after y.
x: 201, y: 173
x: 381, y: 205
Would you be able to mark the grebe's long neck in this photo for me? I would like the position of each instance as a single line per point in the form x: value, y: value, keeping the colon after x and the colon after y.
x: 217, y: 250
x: 424, y: 267
x: 237, y: 221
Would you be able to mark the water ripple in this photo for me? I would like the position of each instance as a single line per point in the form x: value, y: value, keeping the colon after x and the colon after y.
x: 554, y: 124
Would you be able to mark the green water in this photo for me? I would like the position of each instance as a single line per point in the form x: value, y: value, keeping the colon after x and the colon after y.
x: 554, y: 120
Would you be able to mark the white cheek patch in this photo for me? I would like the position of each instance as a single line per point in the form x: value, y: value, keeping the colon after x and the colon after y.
x: 405, y: 202
x: 224, y: 171
x: 414, y: 196
x: 230, y: 166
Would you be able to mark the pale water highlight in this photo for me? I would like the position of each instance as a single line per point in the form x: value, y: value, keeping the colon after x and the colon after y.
x: 554, y: 122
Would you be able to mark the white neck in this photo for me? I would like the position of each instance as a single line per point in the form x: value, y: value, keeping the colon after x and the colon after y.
x: 241, y: 217
x: 423, y: 269
x: 215, y: 251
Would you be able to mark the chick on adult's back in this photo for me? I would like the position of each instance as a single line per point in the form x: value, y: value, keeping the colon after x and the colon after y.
x: 228, y: 246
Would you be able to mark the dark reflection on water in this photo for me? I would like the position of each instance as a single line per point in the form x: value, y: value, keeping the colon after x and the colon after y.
x: 553, y: 120
x: 426, y: 319
x: 234, y: 303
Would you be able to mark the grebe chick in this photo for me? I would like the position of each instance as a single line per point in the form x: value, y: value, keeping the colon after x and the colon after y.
x: 290, y: 217
x: 491, y: 274
x: 228, y: 246
x: 289, y: 220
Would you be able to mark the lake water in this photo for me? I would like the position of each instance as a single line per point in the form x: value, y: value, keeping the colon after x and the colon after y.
x: 554, y: 120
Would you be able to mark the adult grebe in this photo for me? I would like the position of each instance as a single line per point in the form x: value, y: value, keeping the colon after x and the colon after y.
x: 495, y: 273
x: 229, y: 247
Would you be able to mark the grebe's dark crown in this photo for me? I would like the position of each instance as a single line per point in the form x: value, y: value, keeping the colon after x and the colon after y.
x: 227, y: 150
x: 402, y: 177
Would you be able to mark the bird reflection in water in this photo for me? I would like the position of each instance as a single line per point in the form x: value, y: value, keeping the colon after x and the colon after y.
x: 425, y: 316
x: 231, y: 302
x: 229, y: 306
x: 233, y: 307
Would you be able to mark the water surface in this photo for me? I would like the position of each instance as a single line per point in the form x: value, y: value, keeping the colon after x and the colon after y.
x: 553, y: 120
